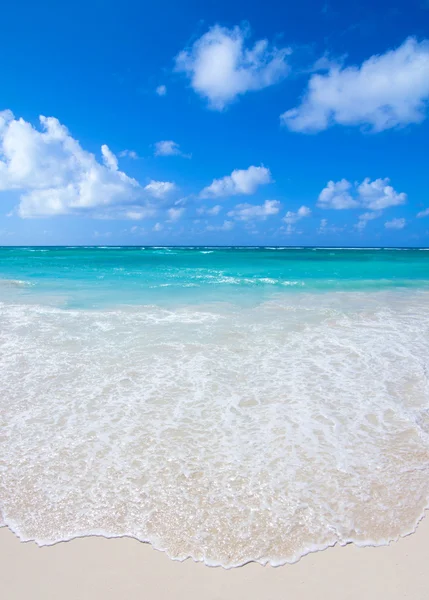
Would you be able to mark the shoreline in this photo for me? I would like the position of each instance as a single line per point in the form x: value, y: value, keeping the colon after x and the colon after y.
x: 96, y: 567
x: 268, y: 562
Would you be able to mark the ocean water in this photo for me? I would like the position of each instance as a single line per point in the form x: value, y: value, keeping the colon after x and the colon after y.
x: 224, y: 404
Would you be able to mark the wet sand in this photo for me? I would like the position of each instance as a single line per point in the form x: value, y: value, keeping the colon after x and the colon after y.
x: 97, y: 568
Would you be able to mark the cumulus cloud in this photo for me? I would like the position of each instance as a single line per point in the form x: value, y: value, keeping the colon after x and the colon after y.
x: 158, y: 227
x: 395, y: 224
x: 54, y: 174
x: 293, y: 217
x: 166, y: 148
x: 423, y: 213
x: 247, y: 212
x: 373, y: 195
x: 109, y: 158
x: 161, y: 90
x: 169, y: 148
x: 215, y: 210
x: 385, y: 91
x: 226, y: 226
x: 240, y: 182
x: 221, y: 67
x: 378, y: 194
x: 365, y: 217
x: 160, y: 189
x: 336, y: 195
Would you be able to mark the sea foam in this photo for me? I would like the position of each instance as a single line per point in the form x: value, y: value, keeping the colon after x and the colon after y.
x: 227, y: 434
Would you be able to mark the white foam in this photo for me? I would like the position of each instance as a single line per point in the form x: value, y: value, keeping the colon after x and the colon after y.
x: 35, y: 249
x: 222, y: 433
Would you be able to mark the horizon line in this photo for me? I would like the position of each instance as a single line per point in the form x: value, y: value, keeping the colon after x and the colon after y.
x: 190, y: 246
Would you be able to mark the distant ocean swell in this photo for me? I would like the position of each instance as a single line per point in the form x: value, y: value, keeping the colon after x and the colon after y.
x: 223, y: 429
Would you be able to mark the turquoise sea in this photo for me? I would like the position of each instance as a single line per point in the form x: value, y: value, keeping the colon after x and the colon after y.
x: 225, y: 404
x: 107, y: 276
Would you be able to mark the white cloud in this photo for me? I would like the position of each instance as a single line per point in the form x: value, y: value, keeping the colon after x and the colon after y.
x: 215, y: 210
x: 109, y: 158
x: 388, y: 90
x: 247, y: 212
x: 169, y: 148
x: 128, y: 154
x: 161, y: 90
x: 174, y: 214
x: 378, y: 194
x: 160, y: 189
x: 293, y: 217
x: 365, y: 217
x: 226, y: 226
x: 54, y: 174
x: 220, y: 66
x: 423, y: 213
x: 241, y: 181
x: 373, y: 195
x: 138, y: 213
x: 166, y: 148
x: 336, y: 195
x: 395, y: 224
x: 158, y: 227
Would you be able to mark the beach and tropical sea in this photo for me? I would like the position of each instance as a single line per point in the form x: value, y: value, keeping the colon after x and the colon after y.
x: 224, y: 404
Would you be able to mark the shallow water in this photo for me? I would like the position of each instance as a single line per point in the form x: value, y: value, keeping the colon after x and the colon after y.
x: 243, y: 421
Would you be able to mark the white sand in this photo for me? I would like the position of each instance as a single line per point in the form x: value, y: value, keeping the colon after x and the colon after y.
x: 97, y: 568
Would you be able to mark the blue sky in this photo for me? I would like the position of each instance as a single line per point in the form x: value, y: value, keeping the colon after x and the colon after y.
x: 215, y: 123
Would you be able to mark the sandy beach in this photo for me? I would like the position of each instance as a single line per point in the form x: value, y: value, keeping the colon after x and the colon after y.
x: 214, y: 301
x: 98, y: 568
